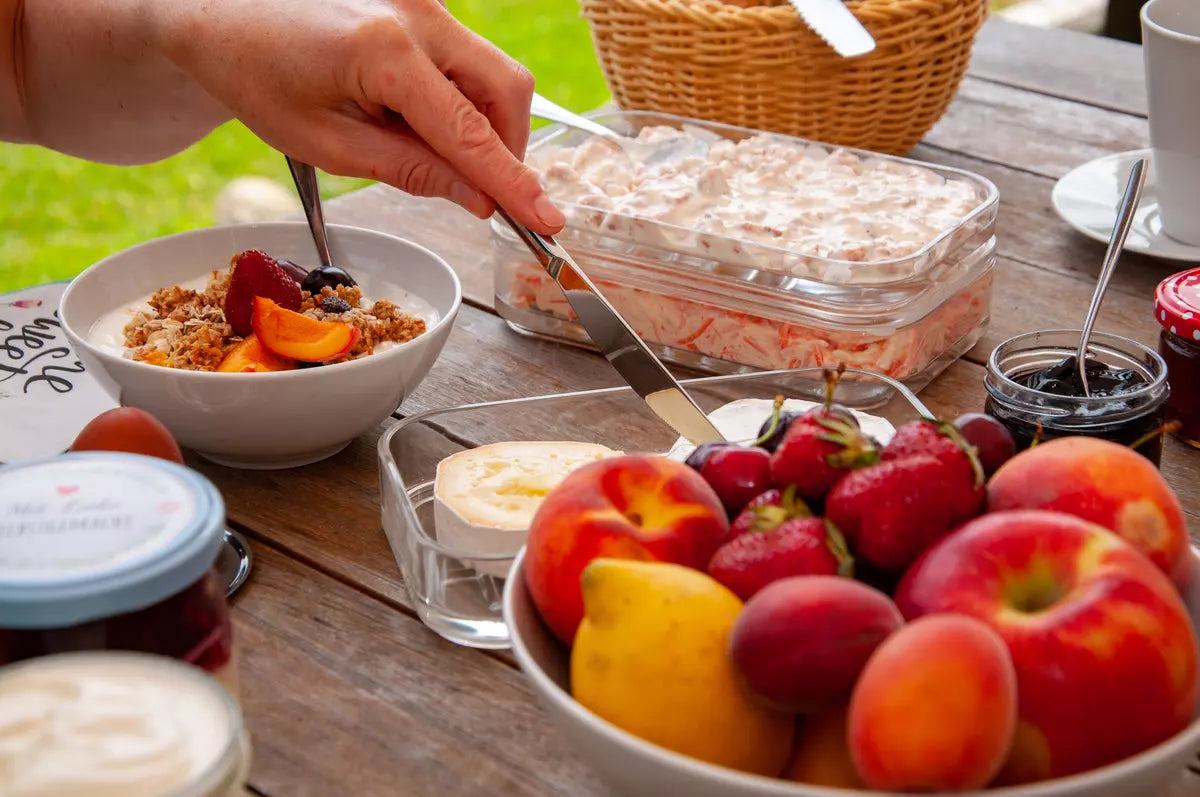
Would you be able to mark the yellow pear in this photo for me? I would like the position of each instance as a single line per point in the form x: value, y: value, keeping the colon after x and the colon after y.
x: 652, y: 657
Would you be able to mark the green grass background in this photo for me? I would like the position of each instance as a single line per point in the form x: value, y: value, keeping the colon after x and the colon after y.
x: 60, y: 214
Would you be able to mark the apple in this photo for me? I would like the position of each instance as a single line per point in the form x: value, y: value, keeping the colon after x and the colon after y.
x: 935, y: 708
x: 1104, y: 650
x: 1105, y: 483
x: 801, y: 642
x: 635, y: 506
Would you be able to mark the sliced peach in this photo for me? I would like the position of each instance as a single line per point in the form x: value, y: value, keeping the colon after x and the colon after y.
x: 250, y: 356
x: 299, y: 337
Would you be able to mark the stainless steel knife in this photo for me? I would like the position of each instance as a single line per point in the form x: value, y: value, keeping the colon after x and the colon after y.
x: 613, y: 336
x: 833, y: 22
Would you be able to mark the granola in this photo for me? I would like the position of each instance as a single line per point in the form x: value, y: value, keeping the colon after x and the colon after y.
x: 186, y: 329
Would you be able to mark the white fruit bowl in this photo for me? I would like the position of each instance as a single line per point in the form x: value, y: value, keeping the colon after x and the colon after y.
x: 265, y: 420
x: 637, y: 768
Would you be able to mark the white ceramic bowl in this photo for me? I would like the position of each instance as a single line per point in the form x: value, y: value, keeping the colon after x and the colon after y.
x: 265, y: 420
x: 637, y: 768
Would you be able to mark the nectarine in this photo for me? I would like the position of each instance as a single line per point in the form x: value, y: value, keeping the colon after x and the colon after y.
x: 627, y: 507
x: 801, y: 642
x: 1104, y: 650
x: 822, y: 756
x: 1105, y: 483
x: 128, y: 429
x: 935, y: 708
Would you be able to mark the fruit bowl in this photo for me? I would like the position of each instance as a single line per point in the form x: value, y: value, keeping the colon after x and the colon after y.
x: 636, y: 768
x: 265, y: 420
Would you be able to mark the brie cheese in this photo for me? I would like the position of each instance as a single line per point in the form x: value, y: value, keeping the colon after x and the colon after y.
x: 739, y: 421
x: 485, y: 497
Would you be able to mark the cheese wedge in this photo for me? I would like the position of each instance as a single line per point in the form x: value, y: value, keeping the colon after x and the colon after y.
x: 739, y: 421
x: 485, y: 497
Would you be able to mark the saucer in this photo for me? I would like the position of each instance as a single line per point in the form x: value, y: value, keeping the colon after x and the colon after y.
x: 1087, y: 199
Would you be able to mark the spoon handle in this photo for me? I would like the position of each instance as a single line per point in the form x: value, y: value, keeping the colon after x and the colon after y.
x: 1127, y: 208
x: 305, y: 177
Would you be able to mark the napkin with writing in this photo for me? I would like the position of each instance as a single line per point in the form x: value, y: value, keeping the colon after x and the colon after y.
x: 46, y: 393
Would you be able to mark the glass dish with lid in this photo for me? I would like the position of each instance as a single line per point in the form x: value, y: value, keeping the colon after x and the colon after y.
x: 715, y: 288
x: 455, y: 590
x: 113, y: 551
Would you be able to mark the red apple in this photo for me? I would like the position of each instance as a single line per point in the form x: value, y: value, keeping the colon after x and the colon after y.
x: 628, y: 507
x: 1105, y: 483
x: 1104, y: 650
x: 801, y: 642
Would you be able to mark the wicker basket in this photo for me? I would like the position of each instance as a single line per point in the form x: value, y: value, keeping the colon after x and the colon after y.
x: 756, y: 64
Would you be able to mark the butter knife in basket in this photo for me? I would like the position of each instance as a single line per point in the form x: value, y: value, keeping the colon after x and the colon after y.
x: 613, y: 336
x: 833, y: 22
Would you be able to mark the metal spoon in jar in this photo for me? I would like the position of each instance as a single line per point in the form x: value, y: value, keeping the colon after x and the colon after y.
x: 1128, y: 206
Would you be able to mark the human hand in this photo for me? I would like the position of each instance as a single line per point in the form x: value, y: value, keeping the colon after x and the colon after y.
x: 392, y: 90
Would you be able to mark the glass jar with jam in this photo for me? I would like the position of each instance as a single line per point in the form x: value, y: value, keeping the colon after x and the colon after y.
x: 1033, y: 380
x: 1177, y: 308
x: 112, y: 551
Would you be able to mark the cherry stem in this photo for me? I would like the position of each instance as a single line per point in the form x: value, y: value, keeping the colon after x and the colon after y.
x: 1037, y: 434
x: 775, y: 413
x: 832, y: 378
x: 1166, y: 428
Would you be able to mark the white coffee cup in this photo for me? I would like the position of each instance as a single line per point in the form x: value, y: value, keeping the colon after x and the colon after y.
x: 1171, y: 45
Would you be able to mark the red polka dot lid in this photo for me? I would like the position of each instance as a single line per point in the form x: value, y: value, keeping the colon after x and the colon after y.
x: 1177, y: 304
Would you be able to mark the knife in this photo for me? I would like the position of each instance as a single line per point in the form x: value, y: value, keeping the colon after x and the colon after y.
x: 833, y: 22
x: 612, y: 334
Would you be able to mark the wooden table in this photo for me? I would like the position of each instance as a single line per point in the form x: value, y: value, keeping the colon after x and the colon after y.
x: 347, y: 693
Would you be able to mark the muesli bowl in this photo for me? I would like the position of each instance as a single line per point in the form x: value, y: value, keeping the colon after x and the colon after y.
x: 274, y: 419
x: 637, y: 768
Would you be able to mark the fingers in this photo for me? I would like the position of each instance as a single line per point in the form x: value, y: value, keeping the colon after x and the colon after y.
x: 499, y: 86
x: 459, y: 132
x: 400, y: 159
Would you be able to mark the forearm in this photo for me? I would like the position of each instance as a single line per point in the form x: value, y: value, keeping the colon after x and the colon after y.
x: 87, y: 78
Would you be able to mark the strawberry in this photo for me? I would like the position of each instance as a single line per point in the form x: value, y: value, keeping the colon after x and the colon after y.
x: 800, y: 546
x: 892, y: 511
x: 817, y: 450
x: 767, y: 511
x: 256, y: 273
x: 945, y: 442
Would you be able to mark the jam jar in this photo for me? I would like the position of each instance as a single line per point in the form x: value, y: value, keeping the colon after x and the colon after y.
x: 1129, y: 391
x: 112, y: 551
x: 1177, y: 308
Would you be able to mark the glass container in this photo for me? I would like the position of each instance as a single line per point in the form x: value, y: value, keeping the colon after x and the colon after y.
x: 723, y: 304
x: 450, y: 588
x: 106, y: 550
x: 1130, y: 417
x: 1177, y: 309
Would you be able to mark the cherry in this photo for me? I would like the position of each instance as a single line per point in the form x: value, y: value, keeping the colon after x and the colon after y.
x: 992, y: 441
x: 771, y: 433
x: 298, y: 273
x: 736, y: 473
x: 326, y: 276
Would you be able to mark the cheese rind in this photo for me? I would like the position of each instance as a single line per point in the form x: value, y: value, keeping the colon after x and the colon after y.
x: 486, y: 497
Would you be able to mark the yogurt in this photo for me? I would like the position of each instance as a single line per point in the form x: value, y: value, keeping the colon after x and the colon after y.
x: 106, y: 724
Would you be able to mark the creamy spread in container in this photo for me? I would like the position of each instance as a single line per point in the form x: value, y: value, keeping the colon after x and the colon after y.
x: 117, y: 725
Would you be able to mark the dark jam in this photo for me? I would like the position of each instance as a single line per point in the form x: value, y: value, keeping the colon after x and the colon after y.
x: 1183, y: 366
x: 1104, y: 382
x: 193, y: 625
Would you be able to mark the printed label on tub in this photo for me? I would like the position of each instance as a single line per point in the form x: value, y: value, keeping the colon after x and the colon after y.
x: 62, y: 517
x: 46, y: 393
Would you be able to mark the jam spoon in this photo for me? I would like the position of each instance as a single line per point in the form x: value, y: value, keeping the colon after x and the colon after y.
x: 1129, y: 204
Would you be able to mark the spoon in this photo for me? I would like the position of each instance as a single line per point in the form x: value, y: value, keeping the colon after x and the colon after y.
x: 1129, y: 204
x: 649, y: 154
x: 305, y: 177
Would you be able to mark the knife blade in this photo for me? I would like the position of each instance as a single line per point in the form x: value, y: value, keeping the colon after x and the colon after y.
x: 833, y: 22
x: 613, y: 336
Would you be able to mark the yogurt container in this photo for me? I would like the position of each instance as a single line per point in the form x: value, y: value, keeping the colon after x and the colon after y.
x: 106, y: 550
x: 118, y: 724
